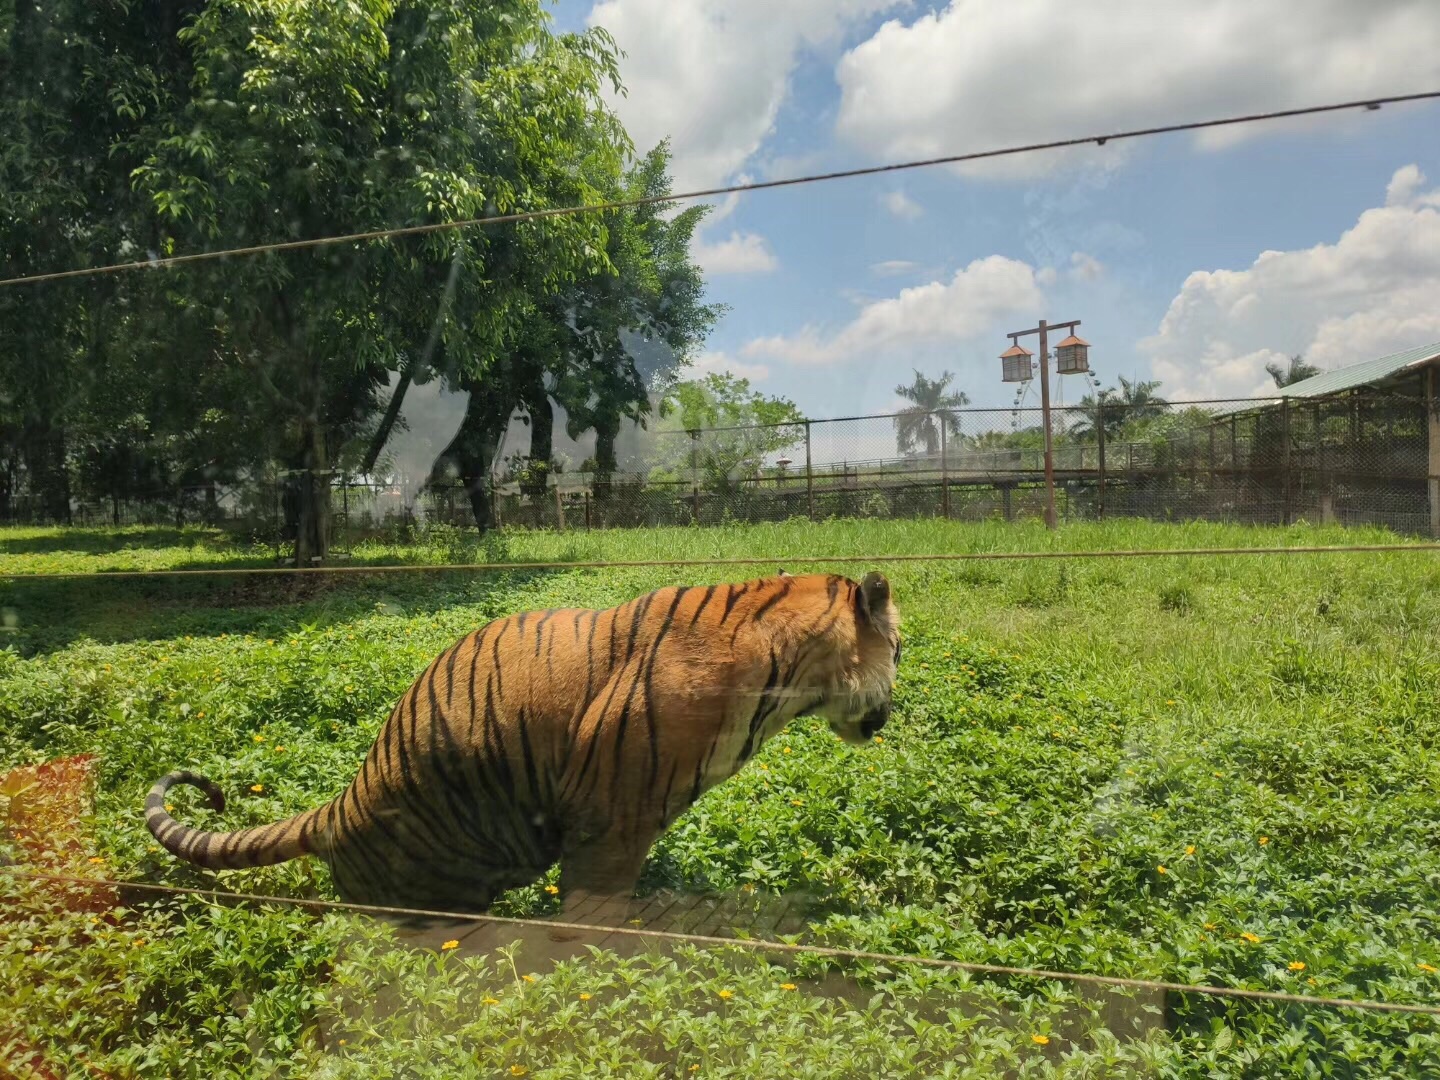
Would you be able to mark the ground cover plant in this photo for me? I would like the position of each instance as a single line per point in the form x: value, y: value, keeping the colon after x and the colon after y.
x: 1196, y: 769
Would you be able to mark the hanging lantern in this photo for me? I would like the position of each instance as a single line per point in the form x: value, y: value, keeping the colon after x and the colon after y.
x: 1015, y: 364
x: 1072, y: 356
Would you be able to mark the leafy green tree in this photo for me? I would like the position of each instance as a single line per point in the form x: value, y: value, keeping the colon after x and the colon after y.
x: 78, y: 83
x: 602, y: 347
x: 1296, y: 371
x: 732, y: 429
x: 1131, y: 406
x: 306, y: 120
x: 919, y: 424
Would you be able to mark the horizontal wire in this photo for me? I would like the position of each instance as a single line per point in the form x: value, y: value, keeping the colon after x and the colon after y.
x: 626, y: 204
x: 757, y: 945
x: 772, y: 560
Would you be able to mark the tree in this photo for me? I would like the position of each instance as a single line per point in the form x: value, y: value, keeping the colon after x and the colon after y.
x: 306, y: 120
x: 918, y: 424
x: 601, y: 346
x: 77, y: 84
x: 1130, y: 406
x: 731, y: 430
x: 1296, y: 371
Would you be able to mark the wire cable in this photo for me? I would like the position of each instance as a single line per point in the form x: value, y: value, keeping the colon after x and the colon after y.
x: 757, y: 945
x: 1369, y: 104
x: 773, y: 560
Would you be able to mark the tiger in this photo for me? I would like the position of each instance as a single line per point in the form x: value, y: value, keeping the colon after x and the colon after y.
x: 574, y: 736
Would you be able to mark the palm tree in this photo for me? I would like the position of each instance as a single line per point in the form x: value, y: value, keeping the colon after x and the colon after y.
x: 1298, y: 371
x: 917, y: 424
x: 1113, y: 409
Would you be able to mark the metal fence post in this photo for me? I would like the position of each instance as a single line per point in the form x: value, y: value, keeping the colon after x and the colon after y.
x: 944, y: 469
x: 1432, y: 430
x: 1100, y: 445
x: 1285, y: 455
x: 809, y: 476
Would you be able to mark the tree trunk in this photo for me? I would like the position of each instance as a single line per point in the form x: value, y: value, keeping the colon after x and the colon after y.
x: 44, y: 447
x: 471, y: 453
x: 382, y: 433
x: 542, y: 445
x: 310, y: 499
x: 605, y: 433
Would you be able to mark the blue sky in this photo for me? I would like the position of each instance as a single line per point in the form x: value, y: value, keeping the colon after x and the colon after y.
x: 838, y: 289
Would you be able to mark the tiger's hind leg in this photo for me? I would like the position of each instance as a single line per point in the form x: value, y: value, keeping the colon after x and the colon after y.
x: 598, y: 878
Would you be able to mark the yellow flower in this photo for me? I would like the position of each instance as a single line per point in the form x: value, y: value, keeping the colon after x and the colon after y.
x: 764, y: 767
x: 1264, y: 840
x: 518, y: 1070
x: 787, y: 986
x: 257, y: 788
x: 797, y: 802
x: 1216, y: 775
x: 747, y: 887
x: 340, y: 1042
x: 726, y: 995
x: 528, y: 978
x: 451, y: 944
x: 200, y: 715
x: 489, y: 1001
x: 1169, y: 701
x: 1189, y: 849
x: 1297, y: 965
x: 169, y: 808
x: 1427, y: 969
x: 585, y: 997
x: 879, y: 738
x: 1253, y: 939
x: 553, y: 890
x: 1040, y: 1040
x: 278, y: 749
x: 96, y: 860
x: 349, y: 689
x: 1161, y: 870
x: 786, y: 750
x: 259, y: 738
x: 1211, y: 926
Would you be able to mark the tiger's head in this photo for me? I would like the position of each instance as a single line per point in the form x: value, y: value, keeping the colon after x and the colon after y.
x: 858, y: 704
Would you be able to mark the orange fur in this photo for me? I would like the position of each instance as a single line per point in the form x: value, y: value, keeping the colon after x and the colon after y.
x: 575, y: 735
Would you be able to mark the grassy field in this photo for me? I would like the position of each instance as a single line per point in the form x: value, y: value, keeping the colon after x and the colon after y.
x: 1198, y: 769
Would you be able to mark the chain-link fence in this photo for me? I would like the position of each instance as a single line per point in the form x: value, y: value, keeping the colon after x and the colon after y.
x: 1361, y: 458
x: 1356, y: 459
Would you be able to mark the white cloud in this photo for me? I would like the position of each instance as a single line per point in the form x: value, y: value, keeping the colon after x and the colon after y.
x: 739, y: 253
x: 901, y: 205
x: 713, y: 361
x: 1371, y: 292
x: 893, y: 267
x: 1085, y: 267
x: 712, y: 74
x: 940, y: 312
x: 980, y: 75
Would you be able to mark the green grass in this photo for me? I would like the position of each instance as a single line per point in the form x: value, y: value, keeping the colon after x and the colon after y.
x: 1263, y: 727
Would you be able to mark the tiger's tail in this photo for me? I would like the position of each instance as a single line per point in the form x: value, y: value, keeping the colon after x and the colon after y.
x: 262, y: 845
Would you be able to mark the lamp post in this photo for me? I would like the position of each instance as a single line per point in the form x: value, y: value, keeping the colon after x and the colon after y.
x: 1072, y: 357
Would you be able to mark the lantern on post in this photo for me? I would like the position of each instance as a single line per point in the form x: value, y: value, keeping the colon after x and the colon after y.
x: 1015, y: 364
x: 1072, y: 356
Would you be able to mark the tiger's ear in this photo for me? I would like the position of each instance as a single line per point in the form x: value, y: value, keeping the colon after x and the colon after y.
x: 783, y: 573
x: 872, y: 596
